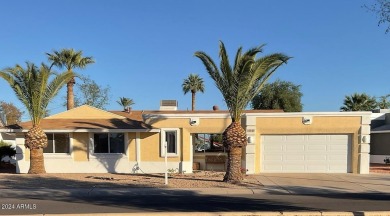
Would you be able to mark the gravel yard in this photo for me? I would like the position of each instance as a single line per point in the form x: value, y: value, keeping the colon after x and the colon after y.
x: 200, y: 179
x: 203, y: 179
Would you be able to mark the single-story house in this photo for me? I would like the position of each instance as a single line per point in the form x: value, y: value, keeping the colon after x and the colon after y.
x: 380, y: 136
x: 89, y: 140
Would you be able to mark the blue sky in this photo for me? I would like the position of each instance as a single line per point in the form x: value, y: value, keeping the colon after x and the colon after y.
x: 144, y: 49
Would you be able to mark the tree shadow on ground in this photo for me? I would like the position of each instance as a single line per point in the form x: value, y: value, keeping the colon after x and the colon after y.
x: 7, y: 167
x: 137, y: 198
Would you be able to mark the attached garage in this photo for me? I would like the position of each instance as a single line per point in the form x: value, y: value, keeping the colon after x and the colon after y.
x: 310, y: 153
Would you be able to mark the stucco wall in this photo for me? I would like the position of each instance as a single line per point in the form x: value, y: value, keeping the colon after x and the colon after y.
x: 206, y: 125
x: 80, y: 146
x: 84, y: 112
x: 131, y: 148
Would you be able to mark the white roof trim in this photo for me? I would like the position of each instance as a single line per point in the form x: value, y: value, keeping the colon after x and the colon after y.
x: 382, y: 131
x: 84, y: 130
x: 276, y: 114
x: 300, y: 114
x: 187, y: 115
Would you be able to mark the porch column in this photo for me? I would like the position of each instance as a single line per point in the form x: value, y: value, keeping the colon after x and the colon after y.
x: 138, y: 147
x: 364, y: 146
x: 250, y: 153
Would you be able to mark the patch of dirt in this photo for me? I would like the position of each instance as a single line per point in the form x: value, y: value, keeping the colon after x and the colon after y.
x: 203, y: 179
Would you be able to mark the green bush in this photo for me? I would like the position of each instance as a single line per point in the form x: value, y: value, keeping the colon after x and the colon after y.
x: 6, y: 150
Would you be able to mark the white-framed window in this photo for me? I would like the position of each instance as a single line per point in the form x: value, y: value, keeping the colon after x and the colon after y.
x: 171, y: 137
x: 111, y: 143
x: 57, y: 143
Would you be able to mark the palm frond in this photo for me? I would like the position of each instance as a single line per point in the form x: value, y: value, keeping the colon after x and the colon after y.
x: 238, y: 87
x: 33, y: 87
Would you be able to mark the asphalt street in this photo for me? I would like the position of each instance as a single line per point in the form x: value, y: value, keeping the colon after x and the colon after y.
x: 281, y: 192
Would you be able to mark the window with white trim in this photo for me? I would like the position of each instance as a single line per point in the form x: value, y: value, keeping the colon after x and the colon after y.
x: 171, y: 138
x: 57, y: 143
x: 109, y: 143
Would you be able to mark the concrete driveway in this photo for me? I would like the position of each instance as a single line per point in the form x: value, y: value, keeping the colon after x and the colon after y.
x: 324, y: 183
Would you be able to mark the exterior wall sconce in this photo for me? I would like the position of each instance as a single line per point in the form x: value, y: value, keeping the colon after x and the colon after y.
x: 194, y: 121
x: 307, y: 120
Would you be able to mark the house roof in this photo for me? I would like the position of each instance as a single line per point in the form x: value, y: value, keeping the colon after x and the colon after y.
x: 85, y: 112
x: 86, y: 125
x: 381, y: 129
x: 140, y: 115
x: 381, y: 123
x: 134, y: 115
x: 87, y: 118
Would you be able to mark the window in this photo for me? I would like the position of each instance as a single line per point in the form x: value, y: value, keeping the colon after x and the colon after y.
x: 109, y: 143
x: 208, y: 143
x: 171, y: 138
x: 57, y: 143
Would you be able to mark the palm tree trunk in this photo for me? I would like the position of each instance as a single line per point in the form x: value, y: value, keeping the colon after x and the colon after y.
x: 37, y: 165
x: 234, y: 139
x: 70, y: 94
x: 193, y: 101
x: 233, y: 172
x: 36, y: 140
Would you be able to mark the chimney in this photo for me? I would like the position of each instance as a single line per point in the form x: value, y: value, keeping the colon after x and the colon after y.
x: 168, y: 105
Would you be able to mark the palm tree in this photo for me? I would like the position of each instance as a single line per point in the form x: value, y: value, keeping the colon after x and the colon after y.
x: 383, y: 102
x: 238, y: 86
x: 34, y: 88
x: 358, y: 102
x: 194, y: 84
x: 69, y: 59
x: 126, y: 103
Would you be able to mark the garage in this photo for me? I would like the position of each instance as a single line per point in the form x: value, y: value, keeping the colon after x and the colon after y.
x: 328, y: 153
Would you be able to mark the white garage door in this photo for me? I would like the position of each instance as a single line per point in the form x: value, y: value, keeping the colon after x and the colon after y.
x: 305, y: 153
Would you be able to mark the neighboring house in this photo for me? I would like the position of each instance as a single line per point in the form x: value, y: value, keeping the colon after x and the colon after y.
x: 3, y: 120
x: 6, y: 137
x: 380, y: 136
x: 89, y: 140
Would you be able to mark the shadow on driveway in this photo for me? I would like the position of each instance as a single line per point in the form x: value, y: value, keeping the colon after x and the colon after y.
x: 58, y: 190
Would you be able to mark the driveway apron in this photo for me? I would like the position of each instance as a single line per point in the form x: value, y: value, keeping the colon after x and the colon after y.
x: 324, y: 183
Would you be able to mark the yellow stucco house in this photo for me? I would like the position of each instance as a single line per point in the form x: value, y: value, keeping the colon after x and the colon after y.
x: 89, y: 140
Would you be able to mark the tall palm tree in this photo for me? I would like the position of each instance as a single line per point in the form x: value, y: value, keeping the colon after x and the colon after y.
x: 69, y: 59
x: 358, y: 102
x: 238, y: 85
x: 34, y: 88
x: 126, y: 103
x: 193, y: 84
x: 383, y: 102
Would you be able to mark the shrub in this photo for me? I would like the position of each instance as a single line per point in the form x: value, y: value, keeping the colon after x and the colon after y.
x: 6, y: 150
